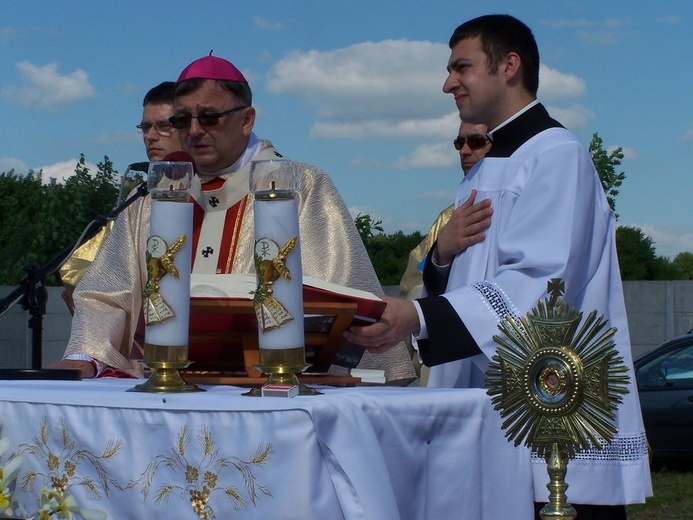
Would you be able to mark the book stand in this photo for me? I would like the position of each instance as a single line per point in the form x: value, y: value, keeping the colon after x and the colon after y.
x: 234, y: 331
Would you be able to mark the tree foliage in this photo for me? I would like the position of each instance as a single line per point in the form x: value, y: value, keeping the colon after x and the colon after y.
x: 684, y: 264
x: 605, y: 163
x: 367, y: 227
x: 37, y: 221
x: 636, y: 253
x: 389, y: 254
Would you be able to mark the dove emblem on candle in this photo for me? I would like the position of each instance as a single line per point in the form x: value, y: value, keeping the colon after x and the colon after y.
x: 270, y: 265
x: 159, y: 258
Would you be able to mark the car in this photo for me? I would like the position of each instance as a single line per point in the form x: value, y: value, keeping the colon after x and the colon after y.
x: 665, y: 385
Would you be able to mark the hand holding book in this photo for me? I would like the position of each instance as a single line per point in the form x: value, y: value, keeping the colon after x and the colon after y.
x: 398, y: 322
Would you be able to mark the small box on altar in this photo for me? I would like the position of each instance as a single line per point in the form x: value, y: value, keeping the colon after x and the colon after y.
x: 279, y: 390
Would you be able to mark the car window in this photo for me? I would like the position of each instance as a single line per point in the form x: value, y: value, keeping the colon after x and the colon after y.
x: 674, y: 369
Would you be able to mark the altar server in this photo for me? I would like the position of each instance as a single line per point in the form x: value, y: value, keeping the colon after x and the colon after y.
x: 550, y: 220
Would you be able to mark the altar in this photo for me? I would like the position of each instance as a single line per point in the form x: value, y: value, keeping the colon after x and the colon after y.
x: 353, y: 453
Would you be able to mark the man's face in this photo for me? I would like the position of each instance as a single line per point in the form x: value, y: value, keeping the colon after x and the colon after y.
x: 218, y: 146
x: 470, y: 153
x: 479, y: 95
x: 160, y: 139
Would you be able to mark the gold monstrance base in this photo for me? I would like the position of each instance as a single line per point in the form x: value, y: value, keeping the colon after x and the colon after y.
x: 282, y: 366
x: 165, y: 363
x: 557, y: 507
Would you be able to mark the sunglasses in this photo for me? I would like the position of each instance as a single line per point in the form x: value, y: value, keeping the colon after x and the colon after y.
x: 209, y: 119
x: 163, y: 128
x: 475, y: 142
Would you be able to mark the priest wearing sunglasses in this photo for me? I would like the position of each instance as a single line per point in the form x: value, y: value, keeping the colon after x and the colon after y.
x: 472, y: 144
x: 214, y: 118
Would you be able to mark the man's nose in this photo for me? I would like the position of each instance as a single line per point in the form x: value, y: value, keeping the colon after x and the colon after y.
x: 151, y: 134
x: 195, y: 127
x: 450, y: 84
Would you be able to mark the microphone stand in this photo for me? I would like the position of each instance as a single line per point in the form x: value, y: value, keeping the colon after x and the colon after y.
x: 32, y: 295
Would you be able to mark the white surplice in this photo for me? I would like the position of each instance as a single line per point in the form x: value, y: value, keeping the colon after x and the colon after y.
x: 550, y: 220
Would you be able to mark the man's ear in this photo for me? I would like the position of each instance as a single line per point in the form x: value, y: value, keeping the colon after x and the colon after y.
x: 512, y: 67
x: 248, y: 120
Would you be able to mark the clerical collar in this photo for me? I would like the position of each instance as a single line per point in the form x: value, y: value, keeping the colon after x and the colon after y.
x: 251, y: 150
x: 519, y: 129
x: 513, y: 117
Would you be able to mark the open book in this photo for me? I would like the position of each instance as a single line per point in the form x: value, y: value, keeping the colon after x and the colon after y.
x: 242, y: 287
x: 222, y: 316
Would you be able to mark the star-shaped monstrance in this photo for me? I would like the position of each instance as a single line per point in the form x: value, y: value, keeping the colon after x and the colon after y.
x: 557, y: 382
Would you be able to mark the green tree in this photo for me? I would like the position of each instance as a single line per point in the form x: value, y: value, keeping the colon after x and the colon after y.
x: 389, y: 254
x: 366, y: 226
x: 636, y: 253
x: 38, y: 221
x: 87, y: 196
x: 684, y: 263
x: 605, y: 164
x: 665, y: 269
x: 21, y: 203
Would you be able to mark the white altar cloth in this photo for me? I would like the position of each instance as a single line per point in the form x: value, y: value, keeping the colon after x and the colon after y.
x: 353, y: 453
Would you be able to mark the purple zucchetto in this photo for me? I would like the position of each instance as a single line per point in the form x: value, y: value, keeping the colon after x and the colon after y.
x: 211, y: 67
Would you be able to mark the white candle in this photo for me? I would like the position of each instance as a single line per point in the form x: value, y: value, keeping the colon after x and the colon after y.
x: 169, y: 222
x: 276, y: 225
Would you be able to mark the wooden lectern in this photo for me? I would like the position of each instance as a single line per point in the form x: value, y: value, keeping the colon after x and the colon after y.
x: 223, y: 341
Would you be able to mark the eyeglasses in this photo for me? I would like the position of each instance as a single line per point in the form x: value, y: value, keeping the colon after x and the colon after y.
x: 475, y: 142
x: 208, y: 119
x: 163, y: 128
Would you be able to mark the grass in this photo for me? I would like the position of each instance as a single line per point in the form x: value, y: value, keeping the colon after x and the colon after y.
x: 673, y: 495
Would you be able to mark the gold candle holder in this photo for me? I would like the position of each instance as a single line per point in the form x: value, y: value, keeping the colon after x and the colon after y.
x: 282, y: 367
x: 165, y: 363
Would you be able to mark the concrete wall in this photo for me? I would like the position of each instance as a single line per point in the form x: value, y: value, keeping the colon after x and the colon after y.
x: 657, y: 311
x: 16, y: 337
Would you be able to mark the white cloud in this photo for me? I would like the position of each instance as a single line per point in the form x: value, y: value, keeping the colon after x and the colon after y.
x: 439, y: 155
x: 555, y: 85
x: 8, y: 163
x: 45, y: 88
x: 387, y: 80
x: 445, y: 196
x: 600, y: 32
x: 365, y: 161
x: 667, y: 242
x: 444, y: 126
x: 603, y: 37
x: 270, y: 25
x: 63, y: 170
x: 573, y: 118
x: 119, y: 137
x: 563, y: 23
x: 670, y: 19
x: 7, y: 34
x: 390, y: 89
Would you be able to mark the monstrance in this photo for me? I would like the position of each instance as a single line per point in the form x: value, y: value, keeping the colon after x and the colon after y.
x: 557, y: 381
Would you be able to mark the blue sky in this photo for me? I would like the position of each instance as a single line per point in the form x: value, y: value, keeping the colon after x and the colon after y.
x: 355, y: 88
